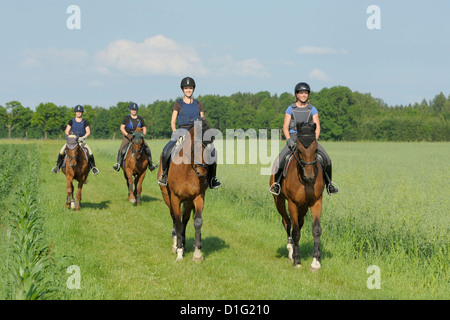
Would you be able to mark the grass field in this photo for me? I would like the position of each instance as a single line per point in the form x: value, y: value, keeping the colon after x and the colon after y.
x: 392, y: 212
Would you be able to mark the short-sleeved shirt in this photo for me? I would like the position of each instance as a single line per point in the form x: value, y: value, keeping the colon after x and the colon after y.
x: 132, y: 124
x: 177, y: 107
x: 289, y: 112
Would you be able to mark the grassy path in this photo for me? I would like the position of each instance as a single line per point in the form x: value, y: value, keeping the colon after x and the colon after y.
x: 124, y: 252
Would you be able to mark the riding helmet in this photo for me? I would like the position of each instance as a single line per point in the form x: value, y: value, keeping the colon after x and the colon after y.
x: 187, y: 82
x: 302, y: 86
x: 133, y: 106
x: 79, y: 108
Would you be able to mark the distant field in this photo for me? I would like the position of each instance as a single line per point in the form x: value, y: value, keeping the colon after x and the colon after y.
x: 392, y: 212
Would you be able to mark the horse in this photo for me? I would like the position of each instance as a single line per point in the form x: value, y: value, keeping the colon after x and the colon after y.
x: 302, y: 188
x: 135, y: 165
x: 186, y: 185
x: 76, y: 168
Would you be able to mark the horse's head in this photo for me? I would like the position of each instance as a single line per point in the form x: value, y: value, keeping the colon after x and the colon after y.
x: 307, y: 150
x: 202, y: 147
x: 138, y: 136
x: 72, y: 150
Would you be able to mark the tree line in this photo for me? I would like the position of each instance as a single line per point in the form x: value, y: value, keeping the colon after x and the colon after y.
x: 345, y: 115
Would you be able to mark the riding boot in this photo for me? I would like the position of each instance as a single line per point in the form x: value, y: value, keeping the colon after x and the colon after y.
x: 59, y: 163
x: 331, y: 187
x: 150, y: 165
x: 213, y: 182
x: 119, y: 161
x: 165, y: 162
x: 91, y: 163
x: 162, y: 181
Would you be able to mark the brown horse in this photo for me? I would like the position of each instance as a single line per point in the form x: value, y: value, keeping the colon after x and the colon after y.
x: 187, y: 185
x: 135, y: 165
x: 302, y: 188
x: 76, y: 168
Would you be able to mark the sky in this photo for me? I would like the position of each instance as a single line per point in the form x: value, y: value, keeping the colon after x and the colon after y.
x: 107, y: 51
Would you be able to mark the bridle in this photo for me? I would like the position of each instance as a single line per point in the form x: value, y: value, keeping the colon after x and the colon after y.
x: 301, y: 162
x: 73, y: 158
x: 195, y: 164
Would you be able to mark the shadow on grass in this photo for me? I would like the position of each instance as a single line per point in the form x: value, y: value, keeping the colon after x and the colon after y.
x: 96, y: 206
x: 209, y: 245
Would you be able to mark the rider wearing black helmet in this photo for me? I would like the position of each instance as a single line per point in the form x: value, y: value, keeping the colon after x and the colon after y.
x: 185, y: 112
x: 301, y: 111
x: 79, y: 127
x: 129, y: 124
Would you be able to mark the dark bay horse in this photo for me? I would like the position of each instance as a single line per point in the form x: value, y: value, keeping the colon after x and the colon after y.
x: 187, y: 185
x: 76, y: 168
x: 302, y: 188
x: 135, y: 165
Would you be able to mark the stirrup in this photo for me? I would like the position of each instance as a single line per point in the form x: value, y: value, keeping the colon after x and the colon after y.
x: 152, y: 167
x: 162, y: 181
x: 217, y: 183
x: 116, y: 167
x: 274, y: 192
x: 55, y: 170
x: 332, y: 188
x: 95, y: 171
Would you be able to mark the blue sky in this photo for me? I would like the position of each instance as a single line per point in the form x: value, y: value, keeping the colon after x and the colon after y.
x: 140, y: 50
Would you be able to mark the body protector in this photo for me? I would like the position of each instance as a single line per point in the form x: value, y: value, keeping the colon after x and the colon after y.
x: 78, y: 128
x: 188, y: 113
x: 300, y: 115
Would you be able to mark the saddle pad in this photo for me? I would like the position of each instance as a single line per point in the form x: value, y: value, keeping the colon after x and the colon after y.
x: 286, y: 166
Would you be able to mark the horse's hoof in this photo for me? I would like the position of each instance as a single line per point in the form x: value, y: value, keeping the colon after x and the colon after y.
x: 198, y: 256
x: 179, y: 254
x: 315, y: 265
x: 132, y: 200
x: 72, y: 205
x: 297, y: 265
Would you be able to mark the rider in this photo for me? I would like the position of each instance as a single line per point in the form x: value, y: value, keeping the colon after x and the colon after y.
x: 79, y: 127
x: 129, y: 124
x: 185, y: 112
x: 301, y: 111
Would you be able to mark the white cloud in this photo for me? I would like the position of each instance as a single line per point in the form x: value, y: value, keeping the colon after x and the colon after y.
x: 36, y: 58
x: 226, y: 66
x: 318, y: 74
x: 157, y: 55
x: 320, y: 50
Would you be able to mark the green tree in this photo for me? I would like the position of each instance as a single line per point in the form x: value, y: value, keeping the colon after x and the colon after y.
x: 47, y: 118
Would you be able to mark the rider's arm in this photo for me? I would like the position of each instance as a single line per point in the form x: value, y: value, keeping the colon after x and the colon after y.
x: 173, y: 121
x: 287, y: 120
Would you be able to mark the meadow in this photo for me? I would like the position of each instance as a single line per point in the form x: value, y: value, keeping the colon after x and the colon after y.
x: 392, y: 212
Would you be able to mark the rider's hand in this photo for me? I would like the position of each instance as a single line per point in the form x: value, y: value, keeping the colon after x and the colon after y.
x: 291, y: 144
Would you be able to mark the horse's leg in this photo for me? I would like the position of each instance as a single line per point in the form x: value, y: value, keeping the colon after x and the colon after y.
x: 316, y: 211
x: 78, y: 203
x: 297, y: 215
x: 175, y: 204
x: 138, y: 187
x: 280, y: 203
x: 198, y: 203
x: 69, y: 191
x: 186, y: 215
x: 129, y: 177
